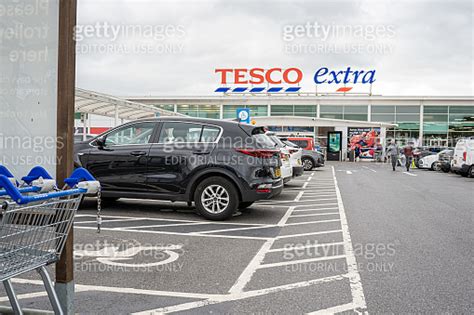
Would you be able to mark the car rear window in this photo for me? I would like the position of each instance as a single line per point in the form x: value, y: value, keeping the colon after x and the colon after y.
x: 300, y: 143
x: 263, y: 140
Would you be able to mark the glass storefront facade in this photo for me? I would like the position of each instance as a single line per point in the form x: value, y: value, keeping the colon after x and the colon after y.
x: 440, y: 124
x: 202, y: 111
x: 407, y: 118
x: 347, y: 112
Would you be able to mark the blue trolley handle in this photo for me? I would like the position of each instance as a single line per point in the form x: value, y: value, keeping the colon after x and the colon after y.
x: 80, y: 177
x: 34, y: 174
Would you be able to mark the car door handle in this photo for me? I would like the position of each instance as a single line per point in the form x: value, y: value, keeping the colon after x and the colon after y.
x: 138, y: 153
x: 201, y: 152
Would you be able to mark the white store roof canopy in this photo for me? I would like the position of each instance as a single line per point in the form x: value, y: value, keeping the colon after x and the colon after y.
x: 90, y: 102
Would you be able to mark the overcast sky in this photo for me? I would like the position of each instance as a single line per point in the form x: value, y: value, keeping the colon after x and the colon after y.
x: 155, y: 47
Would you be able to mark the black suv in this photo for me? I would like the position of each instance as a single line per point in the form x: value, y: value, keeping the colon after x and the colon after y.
x: 221, y: 166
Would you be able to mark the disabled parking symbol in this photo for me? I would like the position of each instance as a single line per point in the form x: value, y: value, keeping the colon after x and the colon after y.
x: 113, y: 256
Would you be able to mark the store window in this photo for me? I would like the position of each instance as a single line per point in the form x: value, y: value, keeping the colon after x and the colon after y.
x: 355, y: 113
x: 332, y: 111
x: 282, y: 110
x: 348, y: 112
x: 203, y: 111
x: 435, y: 125
x: 169, y: 107
x: 460, y: 124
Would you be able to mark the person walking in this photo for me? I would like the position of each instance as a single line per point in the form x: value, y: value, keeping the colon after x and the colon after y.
x: 393, y: 151
x: 408, y: 152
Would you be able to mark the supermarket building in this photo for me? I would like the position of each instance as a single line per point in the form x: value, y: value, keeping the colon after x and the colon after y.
x: 428, y: 120
x: 425, y: 120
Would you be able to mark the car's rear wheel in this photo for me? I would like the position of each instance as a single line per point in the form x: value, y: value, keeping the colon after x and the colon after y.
x: 436, y: 166
x: 471, y: 172
x: 308, y: 163
x: 216, y: 198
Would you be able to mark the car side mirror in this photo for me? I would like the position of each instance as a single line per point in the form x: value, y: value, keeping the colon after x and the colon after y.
x: 100, y: 142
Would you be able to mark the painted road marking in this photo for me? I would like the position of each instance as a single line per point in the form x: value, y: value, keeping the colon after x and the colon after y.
x: 369, y: 169
x: 307, y: 234
x: 411, y: 174
x: 358, y: 297
x: 314, y: 214
x: 300, y: 261
x: 298, y: 247
x: 348, y: 172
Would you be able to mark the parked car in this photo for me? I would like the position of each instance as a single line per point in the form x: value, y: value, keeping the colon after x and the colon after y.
x: 463, y: 157
x: 294, y: 153
x: 309, y: 158
x: 444, y: 160
x: 79, y: 137
x: 286, y: 168
x: 221, y: 166
x: 429, y: 162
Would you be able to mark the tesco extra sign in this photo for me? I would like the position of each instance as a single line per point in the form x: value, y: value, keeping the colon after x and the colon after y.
x: 288, y: 77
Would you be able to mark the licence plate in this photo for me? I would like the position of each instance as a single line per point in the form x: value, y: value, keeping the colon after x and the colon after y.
x: 277, y: 172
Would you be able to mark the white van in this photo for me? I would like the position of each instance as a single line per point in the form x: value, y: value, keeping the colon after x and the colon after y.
x: 463, y: 159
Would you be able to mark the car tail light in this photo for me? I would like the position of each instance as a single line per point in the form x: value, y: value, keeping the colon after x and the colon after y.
x: 464, y: 156
x: 264, y: 188
x: 284, y: 156
x: 260, y: 153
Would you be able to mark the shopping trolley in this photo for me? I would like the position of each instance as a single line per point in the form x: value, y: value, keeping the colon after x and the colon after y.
x: 38, y: 180
x: 34, y: 230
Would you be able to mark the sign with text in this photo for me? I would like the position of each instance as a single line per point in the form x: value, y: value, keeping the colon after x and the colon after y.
x: 28, y: 84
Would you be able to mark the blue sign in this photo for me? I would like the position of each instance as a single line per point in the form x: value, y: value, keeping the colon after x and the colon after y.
x: 243, y: 115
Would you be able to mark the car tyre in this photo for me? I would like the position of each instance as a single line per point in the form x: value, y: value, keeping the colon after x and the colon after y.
x: 308, y: 163
x: 436, y: 166
x: 216, y: 198
x: 471, y: 172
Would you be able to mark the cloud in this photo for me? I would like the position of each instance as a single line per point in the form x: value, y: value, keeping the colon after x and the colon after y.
x: 420, y: 48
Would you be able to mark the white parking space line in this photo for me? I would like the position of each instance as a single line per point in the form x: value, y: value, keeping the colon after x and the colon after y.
x: 282, y: 249
x: 171, y: 220
x: 411, y: 174
x: 300, y: 261
x: 307, y: 234
x: 305, y: 185
x: 316, y: 210
x: 107, y: 221
x: 236, y: 229
x: 349, y: 172
x: 248, y: 272
x: 176, y: 233
x: 314, y: 205
x: 256, y: 261
x: 159, y: 225
x: 241, y: 295
x: 358, y: 297
x: 368, y: 168
x: 312, y: 222
x: 314, y: 214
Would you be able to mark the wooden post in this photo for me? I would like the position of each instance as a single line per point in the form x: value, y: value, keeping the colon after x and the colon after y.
x: 65, y: 142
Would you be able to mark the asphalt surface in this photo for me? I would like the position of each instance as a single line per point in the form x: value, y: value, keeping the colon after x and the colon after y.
x: 350, y: 237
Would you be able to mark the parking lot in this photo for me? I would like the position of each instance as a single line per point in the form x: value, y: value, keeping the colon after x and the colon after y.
x: 297, y: 253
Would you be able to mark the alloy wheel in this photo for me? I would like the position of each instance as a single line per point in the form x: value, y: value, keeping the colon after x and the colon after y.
x: 215, y: 199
